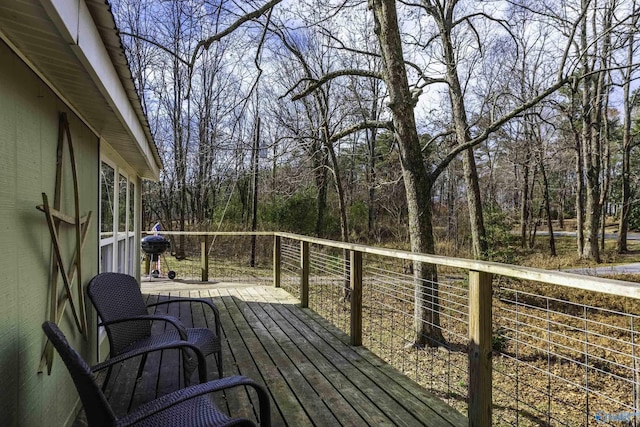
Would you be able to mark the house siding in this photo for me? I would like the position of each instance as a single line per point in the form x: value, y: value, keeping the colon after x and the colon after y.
x: 29, y: 114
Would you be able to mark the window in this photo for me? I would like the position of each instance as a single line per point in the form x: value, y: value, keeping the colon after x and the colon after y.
x: 118, y: 242
x: 122, y: 204
x: 106, y: 200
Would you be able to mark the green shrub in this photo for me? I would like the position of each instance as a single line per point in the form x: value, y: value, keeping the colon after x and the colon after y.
x: 499, y: 236
x: 358, y: 219
x: 296, y: 214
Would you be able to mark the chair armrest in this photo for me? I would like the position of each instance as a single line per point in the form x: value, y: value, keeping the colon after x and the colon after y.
x: 175, y: 322
x: 168, y: 400
x: 202, y: 365
x: 214, y: 309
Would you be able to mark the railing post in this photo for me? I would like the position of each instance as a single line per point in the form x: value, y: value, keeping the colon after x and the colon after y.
x: 480, y: 334
x: 304, y: 280
x: 204, y: 258
x: 356, y: 297
x: 277, y: 254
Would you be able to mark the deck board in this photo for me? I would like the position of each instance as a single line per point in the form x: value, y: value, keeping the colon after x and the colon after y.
x: 313, y: 375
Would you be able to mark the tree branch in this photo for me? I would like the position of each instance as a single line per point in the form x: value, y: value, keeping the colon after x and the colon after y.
x: 427, y: 80
x: 205, y: 44
x: 374, y: 124
x: 436, y: 137
x: 317, y: 83
x: 156, y: 44
x: 496, y: 125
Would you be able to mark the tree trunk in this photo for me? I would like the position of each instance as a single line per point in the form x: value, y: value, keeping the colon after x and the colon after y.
x: 320, y: 167
x: 372, y: 136
x: 452, y: 232
x: 417, y: 183
x: 461, y: 126
x: 591, y: 249
x: 606, y: 175
x: 321, y: 201
x: 579, y: 198
x: 525, y: 203
x: 533, y: 219
x: 594, y: 87
x: 547, y: 207
x: 335, y: 167
x: 625, y: 210
x: 476, y: 219
x: 254, y: 204
x: 561, y: 207
x: 181, y: 160
x: 344, y: 224
x: 591, y: 165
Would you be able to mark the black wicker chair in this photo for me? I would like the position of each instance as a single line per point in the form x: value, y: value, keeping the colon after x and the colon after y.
x: 191, y: 406
x: 123, y: 313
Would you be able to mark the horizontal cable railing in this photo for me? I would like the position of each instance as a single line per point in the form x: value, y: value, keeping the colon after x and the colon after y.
x: 507, y: 345
x: 390, y: 331
x: 290, y: 265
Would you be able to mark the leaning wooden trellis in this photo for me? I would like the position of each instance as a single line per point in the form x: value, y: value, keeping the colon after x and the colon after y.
x: 55, y: 220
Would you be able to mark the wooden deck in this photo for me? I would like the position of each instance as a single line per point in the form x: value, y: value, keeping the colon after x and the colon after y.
x: 313, y: 375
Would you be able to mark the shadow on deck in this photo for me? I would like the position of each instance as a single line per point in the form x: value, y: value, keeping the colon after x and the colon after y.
x: 313, y: 375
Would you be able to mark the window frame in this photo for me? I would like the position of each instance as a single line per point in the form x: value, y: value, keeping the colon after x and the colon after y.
x: 123, y: 244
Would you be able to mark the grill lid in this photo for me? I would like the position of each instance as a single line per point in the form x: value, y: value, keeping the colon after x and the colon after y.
x: 154, y: 245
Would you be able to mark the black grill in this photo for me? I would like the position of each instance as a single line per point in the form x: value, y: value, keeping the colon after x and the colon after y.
x: 154, y: 245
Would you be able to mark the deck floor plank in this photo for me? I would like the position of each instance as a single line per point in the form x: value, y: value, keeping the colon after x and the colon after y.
x: 400, y: 388
x: 120, y: 388
x: 313, y: 376
x: 124, y: 391
x: 201, y: 318
x: 238, y: 401
x: 171, y: 376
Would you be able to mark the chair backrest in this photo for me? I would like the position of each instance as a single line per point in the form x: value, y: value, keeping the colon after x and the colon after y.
x: 117, y: 296
x: 96, y: 407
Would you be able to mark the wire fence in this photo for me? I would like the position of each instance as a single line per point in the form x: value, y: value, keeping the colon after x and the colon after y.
x: 290, y: 267
x: 388, y: 305
x: 329, y: 290
x: 568, y: 359
x: 433, y: 353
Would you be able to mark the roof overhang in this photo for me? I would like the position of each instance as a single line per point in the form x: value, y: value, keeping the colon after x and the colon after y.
x: 73, y: 45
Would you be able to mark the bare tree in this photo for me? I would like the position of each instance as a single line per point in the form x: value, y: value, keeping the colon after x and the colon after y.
x: 628, y: 140
x: 439, y: 53
x: 594, y: 57
x: 195, y: 91
x: 418, y: 182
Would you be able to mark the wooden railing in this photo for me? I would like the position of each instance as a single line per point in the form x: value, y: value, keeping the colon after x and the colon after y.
x: 480, y: 289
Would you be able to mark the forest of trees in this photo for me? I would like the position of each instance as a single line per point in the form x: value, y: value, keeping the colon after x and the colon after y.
x: 391, y: 121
